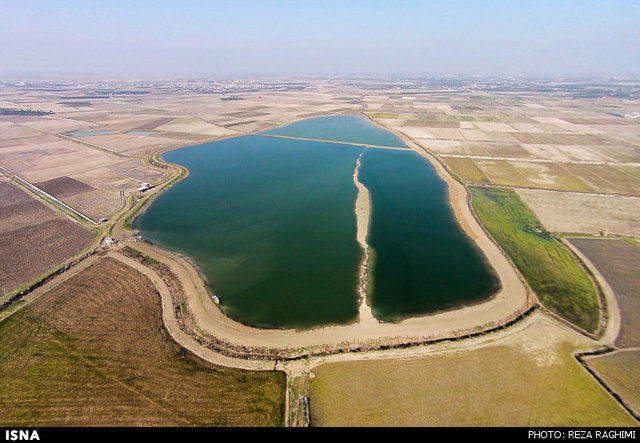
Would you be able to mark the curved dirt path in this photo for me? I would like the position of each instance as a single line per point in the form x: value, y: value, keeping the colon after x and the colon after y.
x: 611, y: 313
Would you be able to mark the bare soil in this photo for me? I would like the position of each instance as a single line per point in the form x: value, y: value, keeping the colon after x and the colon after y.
x: 33, y: 238
x: 64, y: 186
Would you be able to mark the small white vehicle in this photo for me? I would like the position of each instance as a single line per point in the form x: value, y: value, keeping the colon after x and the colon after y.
x: 143, y: 187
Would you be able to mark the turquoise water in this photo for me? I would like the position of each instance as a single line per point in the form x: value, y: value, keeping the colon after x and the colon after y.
x: 423, y: 261
x: 352, y: 129
x: 271, y: 224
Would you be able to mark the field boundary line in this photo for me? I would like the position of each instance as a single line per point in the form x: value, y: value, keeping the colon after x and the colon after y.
x: 560, y: 191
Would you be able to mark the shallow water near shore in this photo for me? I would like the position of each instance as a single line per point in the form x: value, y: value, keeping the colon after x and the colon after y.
x: 89, y: 133
x: 271, y: 224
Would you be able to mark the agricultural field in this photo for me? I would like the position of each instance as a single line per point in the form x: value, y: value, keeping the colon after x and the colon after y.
x: 194, y: 125
x: 607, y: 179
x: 33, y: 238
x: 499, y: 149
x: 541, y: 384
x: 618, y: 261
x: 62, y: 165
x: 466, y: 169
x: 93, y: 352
x: 584, y: 213
x: 550, y: 176
x: 502, y: 172
x: 135, y: 144
x: 521, y: 174
x: 621, y: 372
x: 560, y: 282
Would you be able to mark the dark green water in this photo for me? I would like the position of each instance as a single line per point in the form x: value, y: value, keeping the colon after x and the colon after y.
x: 423, y: 261
x: 271, y: 224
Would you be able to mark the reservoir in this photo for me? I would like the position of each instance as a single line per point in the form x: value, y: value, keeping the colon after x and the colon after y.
x: 270, y: 222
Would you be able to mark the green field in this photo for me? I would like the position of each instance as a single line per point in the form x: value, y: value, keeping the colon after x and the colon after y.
x: 93, y: 352
x: 550, y: 269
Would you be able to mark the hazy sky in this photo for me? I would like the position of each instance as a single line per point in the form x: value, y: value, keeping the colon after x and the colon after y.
x: 219, y: 39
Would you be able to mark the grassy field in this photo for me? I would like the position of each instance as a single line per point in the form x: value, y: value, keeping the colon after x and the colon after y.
x: 621, y: 371
x: 93, y: 352
x: 531, y: 380
x: 550, y: 176
x: 619, y: 263
x: 550, y: 269
x: 466, y: 169
x: 501, y: 172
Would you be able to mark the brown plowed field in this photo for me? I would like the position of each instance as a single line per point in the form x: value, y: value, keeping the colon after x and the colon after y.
x: 64, y: 186
x: 93, y: 351
x: 33, y: 238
